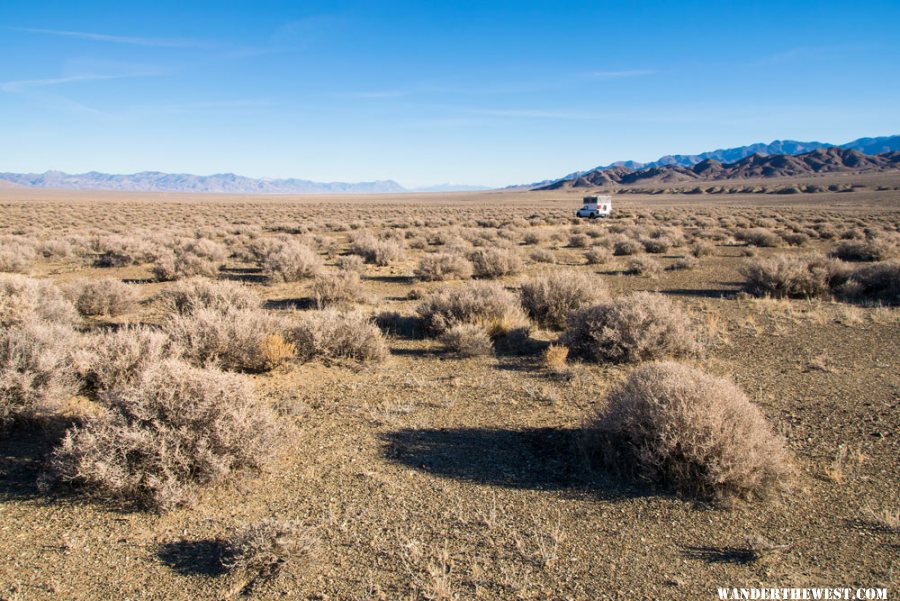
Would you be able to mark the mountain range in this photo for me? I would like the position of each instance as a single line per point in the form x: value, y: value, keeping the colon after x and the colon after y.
x: 822, y: 160
x: 225, y: 183
x: 869, y: 146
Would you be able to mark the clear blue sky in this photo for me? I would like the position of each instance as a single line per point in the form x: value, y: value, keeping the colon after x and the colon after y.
x: 427, y: 92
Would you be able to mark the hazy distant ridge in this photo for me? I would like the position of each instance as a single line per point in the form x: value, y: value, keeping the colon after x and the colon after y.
x: 154, y: 181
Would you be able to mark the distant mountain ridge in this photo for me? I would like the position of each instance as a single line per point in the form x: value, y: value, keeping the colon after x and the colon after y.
x: 822, y: 160
x: 869, y: 146
x: 155, y: 181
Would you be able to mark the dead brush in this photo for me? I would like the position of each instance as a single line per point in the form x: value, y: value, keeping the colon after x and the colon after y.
x: 265, y: 547
x: 276, y: 351
x: 554, y: 359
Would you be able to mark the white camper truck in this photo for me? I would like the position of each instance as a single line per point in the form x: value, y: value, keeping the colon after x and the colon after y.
x: 595, y: 206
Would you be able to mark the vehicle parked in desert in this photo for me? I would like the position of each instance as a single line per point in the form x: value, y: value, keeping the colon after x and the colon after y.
x: 595, y: 206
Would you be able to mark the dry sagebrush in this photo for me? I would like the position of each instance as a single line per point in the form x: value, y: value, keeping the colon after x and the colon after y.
x: 550, y: 297
x: 488, y: 305
x: 116, y: 359
x: 467, y: 340
x: 790, y: 276
x: 24, y: 299
x: 291, y: 262
x: 107, y: 297
x: 333, y: 334
x: 637, y: 327
x: 177, y: 428
x: 36, y: 370
x: 334, y: 287
x: 495, y: 262
x: 677, y: 426
x: 186, y: 296
x: 444, y: 266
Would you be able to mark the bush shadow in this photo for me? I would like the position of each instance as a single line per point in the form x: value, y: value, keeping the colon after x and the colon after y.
x: 194, y: 558
x: 714, y: 555
x: 533, y: 458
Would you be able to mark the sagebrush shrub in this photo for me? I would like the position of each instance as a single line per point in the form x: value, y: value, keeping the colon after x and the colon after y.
x: 637, y: 327
x: 678, y: 426
x: 759, y: 237
x: 336, y: 287
x: 702, y: 248
x: 196, y: 258
x: 495, y: 262
x: 291, y: 262
x: 116, y: 359
x: 550, y: 297
x: 598, y: 256
x: 178, y: 428
x: 24, y: 299
x: 36, y: 370
x: 790, y: 276
x: 333, y: 334
x: 444, y: 266
x: 626, y: 247
x: 874, y: 283
x: 467, y: 340
x: 542, y: 255
x: 186, y: 296
x: 16, y: 258
x: 863, y: 250
x: 488, y: 305
x: 232, y: 339
x: 645, y: 266
x: 375, y: 250
x: 351, y: 263
x: 102, y: 297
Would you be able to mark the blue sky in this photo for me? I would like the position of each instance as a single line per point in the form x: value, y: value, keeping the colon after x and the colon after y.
x: 490, y: 93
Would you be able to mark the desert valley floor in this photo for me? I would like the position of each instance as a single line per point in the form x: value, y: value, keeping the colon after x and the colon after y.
x: 429, y: 475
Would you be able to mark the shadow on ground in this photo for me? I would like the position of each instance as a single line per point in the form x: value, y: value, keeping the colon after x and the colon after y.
x: 194, y: 558
x: 290, y: 304
x: 24, y: 450
x: 532, y: 458
x: 714, y: 555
